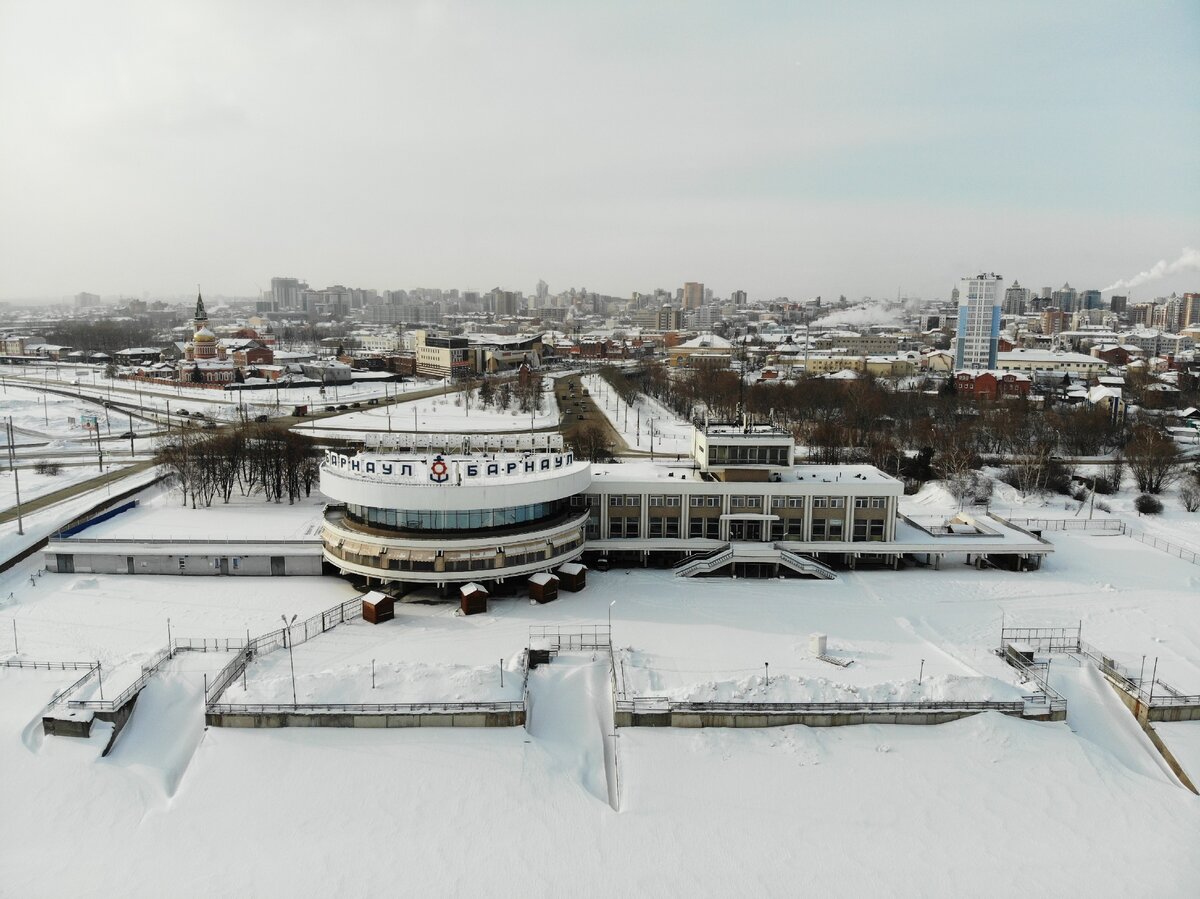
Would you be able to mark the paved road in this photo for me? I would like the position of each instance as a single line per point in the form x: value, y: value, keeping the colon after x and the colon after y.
x: 579, y: 411
x: 74, y: 490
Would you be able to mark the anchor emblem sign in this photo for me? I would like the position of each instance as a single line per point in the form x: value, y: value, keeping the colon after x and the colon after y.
x: 439, y: 471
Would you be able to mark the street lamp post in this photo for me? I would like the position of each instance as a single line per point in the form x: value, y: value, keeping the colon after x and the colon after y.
x: 291, y: 660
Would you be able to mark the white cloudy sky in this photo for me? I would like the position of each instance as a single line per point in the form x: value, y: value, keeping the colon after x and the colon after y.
x: 782, y: 148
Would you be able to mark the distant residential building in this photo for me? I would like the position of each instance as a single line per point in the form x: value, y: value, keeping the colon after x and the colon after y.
x: 1090, y: 299
x: 1065, y: 298
x: 991, y: 385
x: 978, y: 329
x: 1118, y: 304
x: 86, y: 300
x: 693, y: 295
x: 1191, y: 310
x: 286, y: 294
x: 1016, y: 299
x: 739, y: 298
x: 1034, y: 360
x: 708, y: 349
x: 1053, y: 321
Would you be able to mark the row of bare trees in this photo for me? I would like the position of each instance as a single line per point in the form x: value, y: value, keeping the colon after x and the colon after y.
x: 253, y: 458
x: 917, y: 434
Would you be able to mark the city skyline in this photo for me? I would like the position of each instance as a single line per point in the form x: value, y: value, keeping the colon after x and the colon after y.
x: 793, y: 152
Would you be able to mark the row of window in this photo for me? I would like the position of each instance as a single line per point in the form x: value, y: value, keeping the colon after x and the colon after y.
x: 464, y: 520
x: 736, y: 501
x: 626, y: 527
x: 749, y: 455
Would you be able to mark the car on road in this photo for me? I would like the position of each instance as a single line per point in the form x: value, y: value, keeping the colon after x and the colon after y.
x: 128, y: 435
x: 262, y: 418
x: 373, y: 401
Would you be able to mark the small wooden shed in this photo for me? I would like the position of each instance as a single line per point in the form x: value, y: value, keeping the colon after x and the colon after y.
x: 378, y: 607
x: 572, y: 576
x: 474, y: 598
x: 543, y: 587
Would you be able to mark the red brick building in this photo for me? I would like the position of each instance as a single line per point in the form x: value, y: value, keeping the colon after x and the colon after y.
x: 990, y: 385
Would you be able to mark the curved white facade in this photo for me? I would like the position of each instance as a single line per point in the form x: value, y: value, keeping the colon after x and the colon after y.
x: 469, y: 482
x: 445, y: 519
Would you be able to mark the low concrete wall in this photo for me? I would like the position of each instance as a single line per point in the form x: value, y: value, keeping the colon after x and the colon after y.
x: 66, y: 727
x: 808, y: 719
x: 371, y: 719
x: 1175, y: 713
x: 119, y: 718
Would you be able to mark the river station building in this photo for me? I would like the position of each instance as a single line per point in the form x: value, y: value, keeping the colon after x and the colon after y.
x: 413, y: 510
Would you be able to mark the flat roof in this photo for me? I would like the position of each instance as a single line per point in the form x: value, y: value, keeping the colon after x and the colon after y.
x: 672, y: 471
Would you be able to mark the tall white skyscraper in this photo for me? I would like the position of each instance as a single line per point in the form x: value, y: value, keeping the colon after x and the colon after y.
x: 979, y: 303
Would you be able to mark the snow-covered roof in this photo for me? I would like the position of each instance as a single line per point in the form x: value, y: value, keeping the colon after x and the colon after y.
x: 542, y: 578
x: 706, y: 342
x: 572, y: 568
x: 472, y: 587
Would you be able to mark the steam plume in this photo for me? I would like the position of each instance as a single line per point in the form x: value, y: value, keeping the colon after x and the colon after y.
x: 1188, y: 261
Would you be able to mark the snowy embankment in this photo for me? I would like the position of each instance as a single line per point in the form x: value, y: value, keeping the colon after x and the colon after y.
x: 644, y: 419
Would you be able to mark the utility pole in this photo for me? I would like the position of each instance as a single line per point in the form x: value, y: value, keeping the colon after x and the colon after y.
x: 12, y: 463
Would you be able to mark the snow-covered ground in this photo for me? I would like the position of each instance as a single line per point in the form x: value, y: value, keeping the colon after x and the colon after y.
x: 34, y: 484
x: 452, y: 413
x: 638, y: 422
x: 41, y: 417
x: 92, y: 382
x: 46, y: 521
x: 161, y: 514
x: 966, y: 808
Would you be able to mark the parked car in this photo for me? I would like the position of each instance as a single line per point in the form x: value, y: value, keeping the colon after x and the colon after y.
x: 262, y: 418
x: 373, y: 401
x: 355, y: 405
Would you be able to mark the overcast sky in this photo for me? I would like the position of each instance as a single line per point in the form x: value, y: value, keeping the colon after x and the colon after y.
x: 785, y: 149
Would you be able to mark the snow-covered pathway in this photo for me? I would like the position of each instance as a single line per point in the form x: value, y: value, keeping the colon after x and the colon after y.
x: 570, y: 715
x: 1096, y: 714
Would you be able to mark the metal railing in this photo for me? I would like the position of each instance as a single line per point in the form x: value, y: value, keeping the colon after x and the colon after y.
x: 295, y: 634
x: 663, y: 704
x: 1174, y: 549
x: 581, y: 637
x: 62, y: 694
x: 1066, y: 641
x: 1112, y: 526
x: 1099, y: 525
x: 47, y: 666
x: 806, y: 565
x: 705, y: 562
x: 365, y: 707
